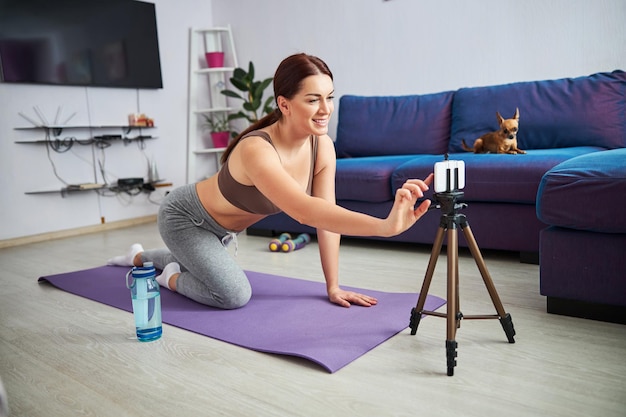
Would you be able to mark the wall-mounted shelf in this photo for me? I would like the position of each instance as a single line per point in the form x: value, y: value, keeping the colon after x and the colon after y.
x: 57, y: 130
x: 91, y: 140
x: 62, y: 144
x: 87, y: 187
x: 126, y: 127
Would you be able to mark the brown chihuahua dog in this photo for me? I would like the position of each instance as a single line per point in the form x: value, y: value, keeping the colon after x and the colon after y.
x: 501, y: 141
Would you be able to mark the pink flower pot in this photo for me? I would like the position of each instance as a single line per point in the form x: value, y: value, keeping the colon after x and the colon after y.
x: 215, y: 59
x: 220, y: 139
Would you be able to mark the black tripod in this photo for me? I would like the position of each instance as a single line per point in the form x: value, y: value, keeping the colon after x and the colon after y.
x: 450, y: 220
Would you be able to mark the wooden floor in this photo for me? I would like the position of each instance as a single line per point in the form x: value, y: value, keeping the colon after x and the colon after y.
x: 62, y: 355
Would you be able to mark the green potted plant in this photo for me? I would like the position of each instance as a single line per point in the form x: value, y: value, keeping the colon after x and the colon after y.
x: 219, y: 126
x: 251, y: 94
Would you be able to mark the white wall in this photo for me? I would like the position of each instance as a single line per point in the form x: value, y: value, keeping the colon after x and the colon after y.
x: 373, y: 48
x: 26, y: 167
x: 400, y: 47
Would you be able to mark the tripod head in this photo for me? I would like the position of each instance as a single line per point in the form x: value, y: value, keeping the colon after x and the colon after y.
x: 448, y: 203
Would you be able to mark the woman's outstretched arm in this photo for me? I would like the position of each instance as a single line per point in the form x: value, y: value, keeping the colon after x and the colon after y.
x: 264, y: 169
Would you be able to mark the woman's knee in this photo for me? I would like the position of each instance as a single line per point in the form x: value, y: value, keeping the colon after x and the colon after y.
x: 236, y: 299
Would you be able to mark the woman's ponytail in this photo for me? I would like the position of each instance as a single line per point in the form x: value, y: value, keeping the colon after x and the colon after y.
x: 265, y: 121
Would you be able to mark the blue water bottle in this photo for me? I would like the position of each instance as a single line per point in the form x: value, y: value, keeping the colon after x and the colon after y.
x: 146, y: 297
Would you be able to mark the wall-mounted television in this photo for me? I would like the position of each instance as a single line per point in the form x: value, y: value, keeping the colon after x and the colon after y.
x: 103, y: 43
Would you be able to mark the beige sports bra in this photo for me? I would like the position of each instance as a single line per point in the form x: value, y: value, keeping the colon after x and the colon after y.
x: 248, y: 197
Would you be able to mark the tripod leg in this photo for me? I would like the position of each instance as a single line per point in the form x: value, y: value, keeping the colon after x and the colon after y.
x: 505, y: 318
x: 453, y: 314
x: 416, y: 313
x: 457, y: 292
x: 451, y: 346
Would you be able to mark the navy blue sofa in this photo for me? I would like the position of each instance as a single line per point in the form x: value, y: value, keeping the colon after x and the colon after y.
x: 383, y: 141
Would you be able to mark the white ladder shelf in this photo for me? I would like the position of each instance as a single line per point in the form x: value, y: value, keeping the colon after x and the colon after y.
x: 205, y: 97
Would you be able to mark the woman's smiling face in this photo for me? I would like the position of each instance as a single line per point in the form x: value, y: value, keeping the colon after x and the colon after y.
x: 313, y: 105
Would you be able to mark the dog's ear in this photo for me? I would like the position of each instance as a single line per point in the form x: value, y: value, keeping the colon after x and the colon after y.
x: 516, y: 115
x: 500, y: 118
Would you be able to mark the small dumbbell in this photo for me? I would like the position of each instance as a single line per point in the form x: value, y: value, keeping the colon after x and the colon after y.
x: 295, y: 244
x: 276, y: 243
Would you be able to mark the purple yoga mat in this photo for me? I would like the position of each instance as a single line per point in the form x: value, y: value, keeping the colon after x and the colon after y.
x: 285, y: 316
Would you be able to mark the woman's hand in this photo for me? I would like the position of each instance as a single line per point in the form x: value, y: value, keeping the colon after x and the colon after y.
x: 403, y: 214
x: 347, y: 298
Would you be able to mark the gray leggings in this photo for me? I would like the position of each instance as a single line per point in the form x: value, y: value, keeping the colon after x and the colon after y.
x: 196, y: 242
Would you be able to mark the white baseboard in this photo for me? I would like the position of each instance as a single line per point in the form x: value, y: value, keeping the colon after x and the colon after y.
x: 76, y: 232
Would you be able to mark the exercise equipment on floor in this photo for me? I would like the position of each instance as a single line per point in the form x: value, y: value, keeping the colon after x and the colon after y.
x: 284, y: 242
x: 276, y: 243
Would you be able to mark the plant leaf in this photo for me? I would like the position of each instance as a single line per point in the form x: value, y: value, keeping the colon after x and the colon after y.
x: 239, y: 73
x: 251, y: 70
x: 268, y: 106
x: 239, y: 84
x: 229, y: 93
x: 238, y: 115
x: 251, y: 106
x: 258, y: 90
x: 266, y: 82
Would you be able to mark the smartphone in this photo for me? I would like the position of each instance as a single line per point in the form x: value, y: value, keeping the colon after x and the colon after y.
x: 449, y: 176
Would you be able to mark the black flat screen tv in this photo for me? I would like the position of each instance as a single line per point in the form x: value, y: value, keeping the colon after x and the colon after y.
x: 103, y: 43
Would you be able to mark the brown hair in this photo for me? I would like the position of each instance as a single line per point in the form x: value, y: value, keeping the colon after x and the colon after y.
x: 287, y: 83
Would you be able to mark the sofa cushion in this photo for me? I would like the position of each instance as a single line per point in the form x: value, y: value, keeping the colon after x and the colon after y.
x: 501, y: 178
x: 397, y: 125
x: 586, y: 193
x: 553, y: 114
x: 368, y: 178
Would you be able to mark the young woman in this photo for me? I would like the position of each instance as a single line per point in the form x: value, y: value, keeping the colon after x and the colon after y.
x: 284, y: 162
